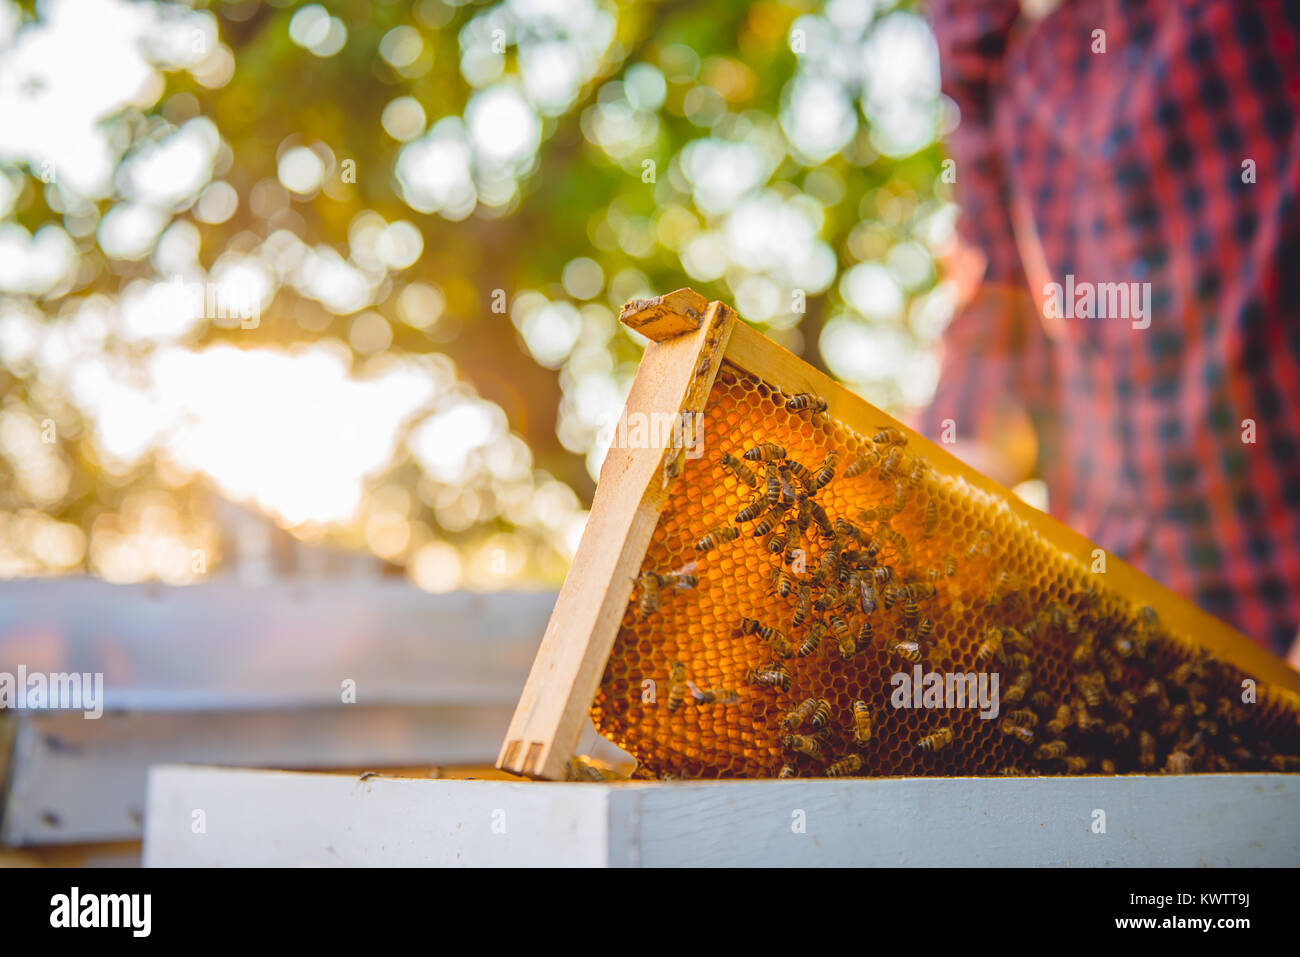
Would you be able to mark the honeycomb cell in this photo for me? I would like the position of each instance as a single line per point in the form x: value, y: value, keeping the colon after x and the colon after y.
x: 1100, y: 678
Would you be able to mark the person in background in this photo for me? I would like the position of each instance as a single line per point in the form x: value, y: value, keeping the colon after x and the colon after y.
x: 1128, y: 174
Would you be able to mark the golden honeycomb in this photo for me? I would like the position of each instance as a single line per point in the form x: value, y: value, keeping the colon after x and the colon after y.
x: 1107, y: 688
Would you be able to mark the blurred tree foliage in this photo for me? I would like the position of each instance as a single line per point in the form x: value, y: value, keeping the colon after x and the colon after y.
x: 646, y: 115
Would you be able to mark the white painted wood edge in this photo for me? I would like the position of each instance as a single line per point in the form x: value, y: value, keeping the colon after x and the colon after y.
x: 273, y: 818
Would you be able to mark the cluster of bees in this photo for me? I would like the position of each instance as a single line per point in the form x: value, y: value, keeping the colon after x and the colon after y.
x: 836, y: 597
x: 843, y: 588
x: 1118, y: 715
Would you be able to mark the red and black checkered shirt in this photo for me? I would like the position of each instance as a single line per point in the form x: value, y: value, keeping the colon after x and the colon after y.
x: 1171, y: 158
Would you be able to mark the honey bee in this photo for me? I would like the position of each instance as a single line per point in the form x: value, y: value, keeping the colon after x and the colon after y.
x: 802, y: 605
x: 887, y: 436
x: 908, y: 650
x: 891, y: 596
x: 1223, y: 710
x: 1092, y: 686
x: 937, y: 740
x: 766, y: 525
x: 877, y: 513
x: 1024, y: 716
x: 1083, y: 650
x: 1085, y: 720
x: 922, y: 590
x: 1017, y: 660
x: 865, y: 637
x: 845, y: 766
x: 676, y: 686
x: 1107, y: 766
x: 794, y: 544
x: 1064, y: 718
x: 828, y: 599
x: 846, y: 529
x: 799, y: 471
x: 1017, y: 731
x: 827, y: 569
x: 812, y: 640
x: 1003, y: 586
x: 892, y: 538
x: 1016, y: 640
x: 839, y: 627
x: 727, y: 533
x: 1123, y: 646
x: 739, y: 470
x: 911, y: 612
x: 861, y: 722
x: 765, y: 452
x: 862, y: 464
x: 990, y: 647
x: 806, y: 401
x: 983, y: 541
x: 920, y: 468
x: 1040, y: 700
x: 799, y: 715
x: 752, y: 510
x: 1180, y: 762
x: 777, y: 541
x: 827, y: 472
x: 868, y: 593
x: 776, y: 640
x: 649, y: 603
x: 1019, y: 688
x: 1117, y: 732
x: 949, y: 566
x: 891, y: 463
x: 1152, y: 689
x: 1114, y: 671
x: 583, y: 768
x: 787, y: 771
x: 788, y: 491
x: 821, y: 713
x: 672, y: 465
x: 1076, y: 763
x: 784, y: 581
x: 682, y: 578
x: 1186, y: 672
x: 901, y: 489
x: 769, y: 676
x: 1051, y: 751
x: 773, y: 494
x: 804, y: 744
x: 1062, y: 617
x: 819, y: 516
x: 705, y: 696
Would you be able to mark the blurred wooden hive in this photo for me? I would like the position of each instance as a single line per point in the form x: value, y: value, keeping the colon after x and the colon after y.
x: 1100, y: 671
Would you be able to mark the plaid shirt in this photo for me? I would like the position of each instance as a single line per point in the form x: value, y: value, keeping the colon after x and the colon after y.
x: 1130, y: 166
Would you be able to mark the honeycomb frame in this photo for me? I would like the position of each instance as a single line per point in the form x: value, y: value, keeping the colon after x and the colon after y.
x: 602, y: 650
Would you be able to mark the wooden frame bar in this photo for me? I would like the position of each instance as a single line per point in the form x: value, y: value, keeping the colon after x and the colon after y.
x: 675, y: 377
